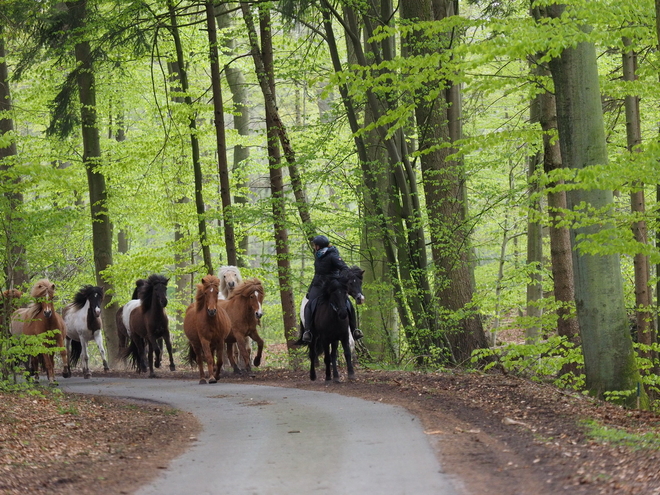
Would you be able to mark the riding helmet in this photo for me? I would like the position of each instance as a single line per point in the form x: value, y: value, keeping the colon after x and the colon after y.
x: 321, y: 241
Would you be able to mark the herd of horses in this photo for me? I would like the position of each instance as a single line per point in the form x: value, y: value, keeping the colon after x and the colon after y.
x: 221, y: 321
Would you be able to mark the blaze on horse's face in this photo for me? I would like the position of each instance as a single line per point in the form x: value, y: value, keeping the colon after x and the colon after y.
x: 211, y: 286
x: 256, y: 298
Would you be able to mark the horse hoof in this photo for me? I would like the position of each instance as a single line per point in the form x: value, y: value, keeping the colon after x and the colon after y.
x: 87, y: 376
x: 202, y: 381
x: 172, y: 367
x: 66, y: 374
x: 213, y: 380
x: 257, y: 361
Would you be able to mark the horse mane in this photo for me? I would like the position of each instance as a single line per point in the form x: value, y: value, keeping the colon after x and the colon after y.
x: 248, y: 287
x: 139, y: 283
x: 147, y: 290
x: 80, y: 299
x: 43, y: 289
x: 12, y: 294
x: 223, y: 284
x: 200, y: 297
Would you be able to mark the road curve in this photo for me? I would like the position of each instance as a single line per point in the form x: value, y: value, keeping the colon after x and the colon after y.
x: 260, y: 440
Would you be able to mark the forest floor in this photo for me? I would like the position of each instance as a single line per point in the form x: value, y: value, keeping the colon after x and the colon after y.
x: 495, y: 433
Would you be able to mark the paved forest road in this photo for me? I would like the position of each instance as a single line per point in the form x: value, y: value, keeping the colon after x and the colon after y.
x: 259, y: 440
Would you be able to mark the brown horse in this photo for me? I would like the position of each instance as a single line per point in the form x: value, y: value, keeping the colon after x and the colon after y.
x: 244, y: 308
x: 206, y: 325
x: 40, y: 317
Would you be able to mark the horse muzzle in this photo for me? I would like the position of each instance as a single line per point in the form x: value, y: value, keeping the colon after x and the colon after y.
x: 212, y: 311
x: 360, y: 298
x: 48, y: 313
x: 258, y: 314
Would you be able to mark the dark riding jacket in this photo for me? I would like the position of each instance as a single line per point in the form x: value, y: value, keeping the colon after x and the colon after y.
x: 327, y: 262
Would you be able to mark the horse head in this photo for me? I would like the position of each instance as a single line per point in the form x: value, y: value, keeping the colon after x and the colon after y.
x: 154, y: 290
x: 253, y: 291
x: 230, y: 278
x: 44, y: 292
x: 207, y: 294
x: 91, y: 294
x: 354, y: 276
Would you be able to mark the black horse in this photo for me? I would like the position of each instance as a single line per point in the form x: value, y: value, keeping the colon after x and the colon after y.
x: 331, y: 327
x: 148, y: 323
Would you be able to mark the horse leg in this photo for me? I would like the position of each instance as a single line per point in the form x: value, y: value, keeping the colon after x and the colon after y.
x: 333, y: 354
x: 240, y: 343
x: 98, y: 338
x: 206, y: 347
x: 66, y: 370
x: 168, y: 345
x: 199, y: 355
x: 348, y: 356
x: 232, y: 361
x: 260, y: 347
x: 66, y: 373
x: 141, y: 358
x: 312, y: 360
x: 85, y: 358
x: 152, y: 348
x: 327, y: 359
x: 158, y: 349
x: 49, y: 364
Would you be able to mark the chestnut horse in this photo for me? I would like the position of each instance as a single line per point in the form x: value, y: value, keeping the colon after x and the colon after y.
x: 38, y: 318
x: 244, y: 308
x: 206, y: 326
x: 148, y: 323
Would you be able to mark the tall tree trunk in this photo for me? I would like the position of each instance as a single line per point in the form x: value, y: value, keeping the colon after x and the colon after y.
x: 241, y: 117
x: 15, y: 266
x: 194, y: 142
x: 643, y: 298
x: 264, y: 59
x: 534, y: 238
x: 219, y: 121
x: 443, y: 181
x: 561, y: 255
x: 413, y: 288
x: 377, y: 227
x: 101, y: 225
x: 609, y: 357
x: 269, y: 97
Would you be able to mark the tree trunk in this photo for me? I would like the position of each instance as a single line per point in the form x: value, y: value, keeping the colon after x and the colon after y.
x: 609, y: 357
x: 443, y: 181
x: 101, y: 225
x: 643, y: 298
x: 264, y: 59
x: 194, y: 142
x: 15, y: 266
x: 269, y: 97
x: 219, y: 121
x: 241, y: 117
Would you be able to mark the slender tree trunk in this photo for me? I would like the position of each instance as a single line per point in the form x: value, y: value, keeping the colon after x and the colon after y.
x: 264, y: 59
x: 15, y: 267
x: 241, y: 117
x: 608, y: 353
x: 643, y: 297
x: 101, y: 225
x: 219, y: 121
x: 443, y: 181
x: 194, y: 142
x: 269, y: 98
x: 534, y: 238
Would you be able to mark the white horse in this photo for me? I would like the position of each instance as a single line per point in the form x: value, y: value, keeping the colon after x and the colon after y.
x: 230, y: 278
x: 83, y: 323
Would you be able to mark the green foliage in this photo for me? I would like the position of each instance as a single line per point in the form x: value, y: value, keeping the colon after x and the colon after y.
x: 604, y: 434
x: 543, y: 361
x: 15, y: 351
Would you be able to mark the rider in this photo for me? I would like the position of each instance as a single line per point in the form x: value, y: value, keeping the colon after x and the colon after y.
x: 326, y: 262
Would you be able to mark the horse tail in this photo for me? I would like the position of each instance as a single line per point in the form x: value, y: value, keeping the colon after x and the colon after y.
x: 132, y: 355
x: 191, y: 356
x: 76, y: 351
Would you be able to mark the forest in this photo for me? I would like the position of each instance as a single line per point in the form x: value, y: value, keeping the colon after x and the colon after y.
x: 492, y: 166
